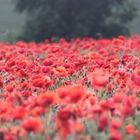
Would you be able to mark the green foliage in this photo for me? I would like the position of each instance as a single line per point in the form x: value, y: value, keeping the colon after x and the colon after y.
x: 75, y: 18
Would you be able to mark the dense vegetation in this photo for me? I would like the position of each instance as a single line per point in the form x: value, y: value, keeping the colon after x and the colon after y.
x: 70, y: 18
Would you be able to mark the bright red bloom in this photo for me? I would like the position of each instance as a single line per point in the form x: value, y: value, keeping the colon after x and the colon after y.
x: 64, y: 114
x: 48, y: 62
x: 60, y: 71
x: 130, y: 129
x: 76, y: 92
x: 99, y: 79
x: 103, y: 122
x: 19, y: 113
x: 36, y: 111
x: 40, y: 81
x: 128, y: 106
x: 47, y: 98
x: 115, y: 135
x: 92, y: 100
x: 71, y: 93
x: 63, y: 92
x: 136, y: 77
x: 37, y: 81
x: 10, y: 87
x: 118, y: 97
x: 116, y: 124
x: 32, y: 125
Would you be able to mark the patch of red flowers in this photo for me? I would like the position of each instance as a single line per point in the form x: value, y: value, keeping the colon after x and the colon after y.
x: 84, y: 89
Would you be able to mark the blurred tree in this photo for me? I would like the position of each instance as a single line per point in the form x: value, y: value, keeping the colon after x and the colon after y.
x: 75, y: 18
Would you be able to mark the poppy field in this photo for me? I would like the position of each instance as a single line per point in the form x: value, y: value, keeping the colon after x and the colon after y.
x: 84, y: 89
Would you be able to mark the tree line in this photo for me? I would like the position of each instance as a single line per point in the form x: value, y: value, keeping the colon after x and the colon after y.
x: 75, y: 18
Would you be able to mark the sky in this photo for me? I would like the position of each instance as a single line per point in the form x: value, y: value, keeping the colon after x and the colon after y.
x: 9, y: 19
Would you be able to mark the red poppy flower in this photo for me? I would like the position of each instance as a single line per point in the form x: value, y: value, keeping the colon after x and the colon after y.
x: 130, y: 129
x: 19, y: 113
x: 76, y: 92
x: 116, y: 124
x: 10, y: 87
x: 63, y: 92
x: 47, y: 98
x: 128, y: 107
x: 103, y: 122
x: 118, y: 97
x: 115, y: 135
x: 64, y: 114
x: 32, y: 125
x: 38, y: 81
x: 136, y: 77
x: 99, y: 79
x: 36, y: 111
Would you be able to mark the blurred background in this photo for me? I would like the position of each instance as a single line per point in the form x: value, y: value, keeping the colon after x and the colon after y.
x: 36, y: 20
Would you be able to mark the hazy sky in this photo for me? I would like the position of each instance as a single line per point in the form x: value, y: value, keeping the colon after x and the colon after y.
x: 9, y: 20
